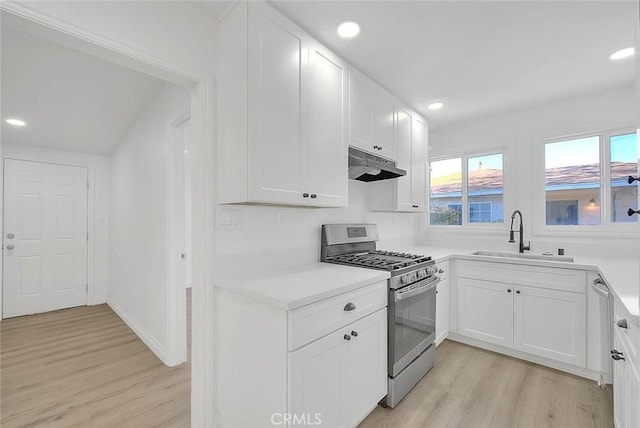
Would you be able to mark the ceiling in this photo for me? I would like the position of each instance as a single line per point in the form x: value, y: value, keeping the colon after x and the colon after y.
x: 478, y: 57
x: 70, y: 100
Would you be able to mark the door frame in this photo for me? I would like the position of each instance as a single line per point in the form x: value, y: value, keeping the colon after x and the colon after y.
x: 176, y: 290
x: 44, y: 156
x: 203, y: 118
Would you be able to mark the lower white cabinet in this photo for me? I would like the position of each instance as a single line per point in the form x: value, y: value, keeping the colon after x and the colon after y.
x: 485, y: 311
x: 626, y: 383
x: 540, y: 321
x: 286, y: 367
x: 337, y: 378
x: 551, y: 324
x: 442, y: 311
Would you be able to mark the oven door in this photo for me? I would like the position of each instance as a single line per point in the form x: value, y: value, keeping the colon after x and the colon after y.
x: 412, y: 322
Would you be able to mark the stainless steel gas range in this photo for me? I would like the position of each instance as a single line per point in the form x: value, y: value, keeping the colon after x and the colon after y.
x: 412, y: 300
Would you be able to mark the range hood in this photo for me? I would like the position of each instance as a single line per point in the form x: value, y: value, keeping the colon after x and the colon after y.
x: 365, y: 166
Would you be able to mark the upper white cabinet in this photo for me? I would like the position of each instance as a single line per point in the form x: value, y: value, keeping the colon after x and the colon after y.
x: 372, y: 117
x: 361, y: 110
x: 407, y: 193
x: 384, y: 116
x: 282, y: 113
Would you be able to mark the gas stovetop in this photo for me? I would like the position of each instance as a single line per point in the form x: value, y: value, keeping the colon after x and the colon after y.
x: 383, y: 260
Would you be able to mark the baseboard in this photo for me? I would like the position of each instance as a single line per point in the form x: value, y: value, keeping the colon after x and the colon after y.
x: 568, y: 368
x: 140, y: 331
x: 97, y: 301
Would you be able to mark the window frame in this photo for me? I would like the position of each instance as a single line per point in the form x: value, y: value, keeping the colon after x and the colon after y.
x: 464, y: 155
x: 606, y: 226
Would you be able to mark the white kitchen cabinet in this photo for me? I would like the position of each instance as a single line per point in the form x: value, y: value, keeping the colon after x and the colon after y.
x: 536, y: 311
x: 442, y: 311
x: 372, y: 116
x: 362, y: 92
x: 485, y: 311
x: 551, y: 324
x: 332, y: 377
x: 328, y: 130
x: 626, y: 382
x: 282, y: 113
x: 280, y: 361
x: 407, y: 193
x: 384, y: 115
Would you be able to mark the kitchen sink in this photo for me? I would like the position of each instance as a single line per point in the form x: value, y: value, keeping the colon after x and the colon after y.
x: 550, y: 257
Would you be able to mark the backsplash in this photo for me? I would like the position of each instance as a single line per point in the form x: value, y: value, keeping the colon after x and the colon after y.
x: 272, y: 237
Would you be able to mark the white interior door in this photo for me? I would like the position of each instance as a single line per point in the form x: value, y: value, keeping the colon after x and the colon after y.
x: 45, y: 241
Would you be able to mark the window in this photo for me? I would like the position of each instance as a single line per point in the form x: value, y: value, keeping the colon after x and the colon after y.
x: 575, y: 180
x: 623, y: 157
x: 572, y: 173
x: 481, y: 190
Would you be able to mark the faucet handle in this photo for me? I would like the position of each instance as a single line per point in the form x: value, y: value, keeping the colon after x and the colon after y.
x: 527, y: 247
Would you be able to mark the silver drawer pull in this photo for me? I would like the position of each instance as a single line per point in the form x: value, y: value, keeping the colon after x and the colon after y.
x: 349, y: 307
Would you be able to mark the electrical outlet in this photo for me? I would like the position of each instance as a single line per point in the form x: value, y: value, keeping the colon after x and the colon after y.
x: 228, y: 219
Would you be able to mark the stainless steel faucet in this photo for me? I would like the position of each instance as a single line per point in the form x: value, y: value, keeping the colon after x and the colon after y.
x: 522, y: 247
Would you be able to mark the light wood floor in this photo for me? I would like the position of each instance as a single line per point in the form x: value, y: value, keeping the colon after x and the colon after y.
x: 471, y: 387
x: 84, y: 367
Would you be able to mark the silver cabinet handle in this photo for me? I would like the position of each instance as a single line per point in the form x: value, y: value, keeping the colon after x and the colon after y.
x: 347, y: 337
x: 10, y: 247
x: 622, y: 323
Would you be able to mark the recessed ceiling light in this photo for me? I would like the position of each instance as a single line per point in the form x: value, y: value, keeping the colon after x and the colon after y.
x: 348, y: 29
x: 16, y: 122
x: 623, y: 53
x: 435, y: 106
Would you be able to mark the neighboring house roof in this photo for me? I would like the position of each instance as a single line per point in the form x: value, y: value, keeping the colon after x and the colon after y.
x: 490, y: 181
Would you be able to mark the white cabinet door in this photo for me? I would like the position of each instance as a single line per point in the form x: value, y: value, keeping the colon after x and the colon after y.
x: 485, y: 311
x: 318, y: 383
x: 404, y: 135
x: 328, y: 133
x: 277, y: 71
x: 551, y: 324
x: 384, y: 123
x: 442, y: 311
x: 361, y: 101
x: 419, y: 165
x: 620, y: 386
x: 633, y: 396
x: 367, y: 365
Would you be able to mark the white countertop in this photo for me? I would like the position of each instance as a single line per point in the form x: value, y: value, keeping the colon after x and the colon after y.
x: 302, y: 285
x: 621, y: 275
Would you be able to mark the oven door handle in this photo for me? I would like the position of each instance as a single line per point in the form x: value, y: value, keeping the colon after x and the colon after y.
x: 424, y: 286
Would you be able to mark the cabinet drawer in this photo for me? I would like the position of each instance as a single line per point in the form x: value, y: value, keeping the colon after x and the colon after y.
x: 534, y: 276
x: 310, y: 322
x: 630, y: 335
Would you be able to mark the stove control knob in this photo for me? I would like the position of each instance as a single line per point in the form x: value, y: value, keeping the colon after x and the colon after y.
x: 422, y: 273
x: 404, y: 279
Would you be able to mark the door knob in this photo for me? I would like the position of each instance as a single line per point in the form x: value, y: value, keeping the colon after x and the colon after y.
x: 10, y: 247
x: 10, y: 235
x: 622, y: 323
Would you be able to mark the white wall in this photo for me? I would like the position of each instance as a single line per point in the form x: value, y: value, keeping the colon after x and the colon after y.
x: 138, y: 255
x: 174, y: 33
x: 522, y: 132
x: 275, y: 237
x: 98, y: 170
